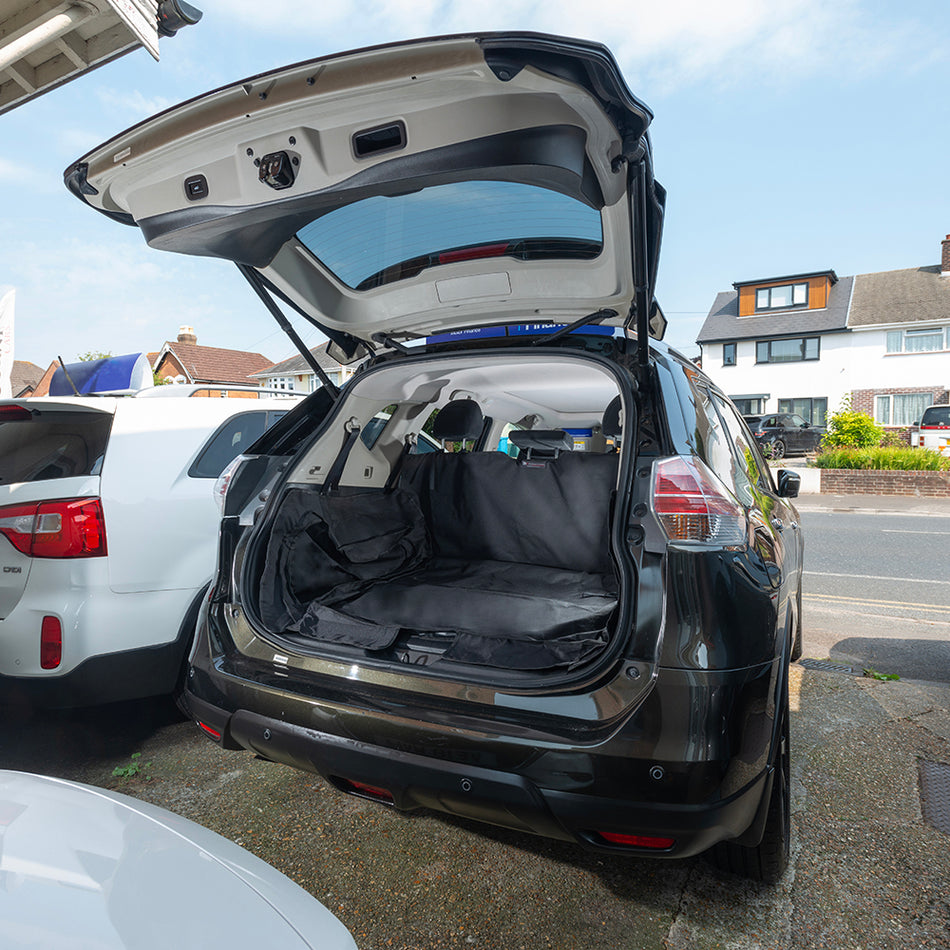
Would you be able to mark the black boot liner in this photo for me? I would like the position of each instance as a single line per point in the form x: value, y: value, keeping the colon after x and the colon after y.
x: 511, y: 559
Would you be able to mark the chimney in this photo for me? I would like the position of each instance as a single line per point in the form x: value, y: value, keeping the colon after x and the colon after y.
x: 187, y: 334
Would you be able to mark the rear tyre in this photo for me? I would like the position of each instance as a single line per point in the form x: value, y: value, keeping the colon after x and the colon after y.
x: 768, y: 860
x: 778, y: 450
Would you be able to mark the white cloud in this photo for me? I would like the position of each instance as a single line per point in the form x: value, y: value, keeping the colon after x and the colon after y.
x: 131, y: 102
x: 22, y: 176
x: 121, y: 296
x: 663, y: 45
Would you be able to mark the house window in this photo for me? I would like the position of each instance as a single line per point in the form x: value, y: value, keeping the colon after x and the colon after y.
x: 902, y: 409
x: 285, y: 383
x: 813, y: 410
x: 787, y: 351
x: 780, y: 298
x: 930, y: 340
x: 749, y: 405
x: 729, y: 354
x: 882, y: 410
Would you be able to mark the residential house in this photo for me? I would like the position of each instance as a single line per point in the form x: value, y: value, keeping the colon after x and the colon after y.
x: 24, y: 378
x: 184, y: 361
x: 805, y: 342
x: 296, y: 375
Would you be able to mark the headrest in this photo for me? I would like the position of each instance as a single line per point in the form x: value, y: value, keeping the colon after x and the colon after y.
x: 548, y: 441
x: 458, y: 420
x: 611, y: 425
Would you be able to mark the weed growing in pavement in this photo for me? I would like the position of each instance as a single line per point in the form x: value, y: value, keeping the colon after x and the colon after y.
x: 874, y: 675
x: 133, y: 769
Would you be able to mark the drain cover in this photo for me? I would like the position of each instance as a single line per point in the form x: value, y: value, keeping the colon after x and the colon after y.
x: 935, y: 794
x: 825, y: 665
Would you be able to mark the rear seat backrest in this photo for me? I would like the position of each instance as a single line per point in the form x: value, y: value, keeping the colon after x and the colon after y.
x: 485, y: 506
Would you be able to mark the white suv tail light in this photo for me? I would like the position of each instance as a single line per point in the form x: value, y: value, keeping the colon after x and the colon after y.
x: 65, y: 528
x: 693, y: 505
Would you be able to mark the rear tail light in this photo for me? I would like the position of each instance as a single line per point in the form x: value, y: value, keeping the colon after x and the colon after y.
x: 16, y: 524
x: 693, y: 505
x: 653, y: 842
x: 71, y: 527
x: 51, y: 643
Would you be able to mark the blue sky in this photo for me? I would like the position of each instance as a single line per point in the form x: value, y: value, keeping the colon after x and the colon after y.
x: 791, y: 138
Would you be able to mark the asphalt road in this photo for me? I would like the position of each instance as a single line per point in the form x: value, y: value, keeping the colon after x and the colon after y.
x: 876, y: 592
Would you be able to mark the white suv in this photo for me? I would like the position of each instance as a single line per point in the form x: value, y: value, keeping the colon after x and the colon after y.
x: 108, y: 530
x: 933, y: 430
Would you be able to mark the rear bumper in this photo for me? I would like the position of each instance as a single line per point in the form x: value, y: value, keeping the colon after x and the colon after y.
x: 111, y: 678
x: 543, y: 795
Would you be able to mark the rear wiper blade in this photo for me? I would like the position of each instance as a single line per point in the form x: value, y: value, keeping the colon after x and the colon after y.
x: 598, y: 316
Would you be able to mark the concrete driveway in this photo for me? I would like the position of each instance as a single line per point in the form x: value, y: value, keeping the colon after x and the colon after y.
x: 868, y: 870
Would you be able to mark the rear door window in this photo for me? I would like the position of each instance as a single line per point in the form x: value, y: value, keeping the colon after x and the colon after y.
x: 43, y: 444
x: 230, y: 440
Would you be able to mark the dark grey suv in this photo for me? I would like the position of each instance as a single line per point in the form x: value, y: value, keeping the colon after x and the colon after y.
x: 577, y: 617
x: 785, y: 433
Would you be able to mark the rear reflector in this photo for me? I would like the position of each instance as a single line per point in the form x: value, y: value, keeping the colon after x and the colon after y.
x: 66, y: 528
x: 693, y: 505
x: 367, y: 791
x: 51, y: 643
x: 209, y: 731
x: 638, y: 841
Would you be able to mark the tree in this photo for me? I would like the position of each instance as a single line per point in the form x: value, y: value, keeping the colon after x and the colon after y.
x: 93, y: 355
x: 850, y: 429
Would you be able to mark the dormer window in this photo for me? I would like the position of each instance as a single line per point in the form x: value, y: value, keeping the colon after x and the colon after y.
x: 782, y: 297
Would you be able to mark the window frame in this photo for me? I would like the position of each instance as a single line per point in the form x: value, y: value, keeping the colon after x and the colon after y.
x: 901, y: 336
x: 803, y: 340
x: 768, y: 307
x: 788, y: 406
x: 892, y: 408
x: 732, y: 349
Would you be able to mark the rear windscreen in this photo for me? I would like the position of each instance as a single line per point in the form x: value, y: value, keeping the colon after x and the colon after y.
x: 382, y: 239
x: 53, y: 445
x: 936, y: 416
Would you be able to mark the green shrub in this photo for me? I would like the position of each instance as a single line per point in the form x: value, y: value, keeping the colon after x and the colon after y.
x: 848, y: 428
x: 884, y: 458
x: 894, y: 440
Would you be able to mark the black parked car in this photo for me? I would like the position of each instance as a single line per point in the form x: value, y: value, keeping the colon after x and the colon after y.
x: 576, y: 617
x: 785, y: 433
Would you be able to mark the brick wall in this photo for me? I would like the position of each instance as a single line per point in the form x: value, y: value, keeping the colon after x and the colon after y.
x: 842, y: 481
x: 862, y: 400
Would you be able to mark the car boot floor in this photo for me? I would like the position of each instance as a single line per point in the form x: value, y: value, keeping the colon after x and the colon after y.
x: 520, y: 616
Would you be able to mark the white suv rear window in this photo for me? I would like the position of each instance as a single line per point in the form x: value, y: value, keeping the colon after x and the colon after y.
x: 47, y: 444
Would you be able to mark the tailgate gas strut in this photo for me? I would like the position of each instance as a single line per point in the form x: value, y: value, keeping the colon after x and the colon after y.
x: 257, y: 283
